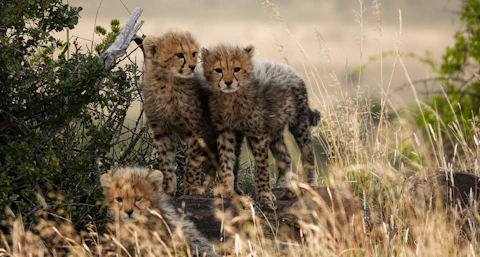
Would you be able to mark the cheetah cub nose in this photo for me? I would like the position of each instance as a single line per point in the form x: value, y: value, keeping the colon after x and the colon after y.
x: 228, y: 83
x: 129, y: 212
x: 192, y: 67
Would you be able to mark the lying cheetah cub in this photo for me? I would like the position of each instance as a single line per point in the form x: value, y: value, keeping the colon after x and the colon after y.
x: 132, y: 193
x: 176, y: 107
x: 259, y: 99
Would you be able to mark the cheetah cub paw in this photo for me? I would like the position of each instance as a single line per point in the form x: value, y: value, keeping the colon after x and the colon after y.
x: 266, y: 196
x: 194, y: 190
x: 223, y: 191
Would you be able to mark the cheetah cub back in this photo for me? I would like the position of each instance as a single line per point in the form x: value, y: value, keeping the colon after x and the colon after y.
x: 135, y: 196
x: 258, y: 98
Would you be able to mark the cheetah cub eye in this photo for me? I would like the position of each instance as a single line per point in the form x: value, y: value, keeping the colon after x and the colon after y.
x: 119, y: 199
x: 179, y: 55
x: 218, y: 70
x: 236, y: 69
x: 138, y: 198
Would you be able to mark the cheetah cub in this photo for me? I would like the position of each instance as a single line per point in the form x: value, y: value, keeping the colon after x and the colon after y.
x: 133, y: 194
x: 176, y: 107
x: 259, y: 99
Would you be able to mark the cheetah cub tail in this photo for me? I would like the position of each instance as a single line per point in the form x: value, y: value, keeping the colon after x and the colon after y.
x: 315, y: 117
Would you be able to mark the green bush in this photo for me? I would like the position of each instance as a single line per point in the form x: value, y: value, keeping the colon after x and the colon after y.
x: 454, y: 111
x: 62, y: 118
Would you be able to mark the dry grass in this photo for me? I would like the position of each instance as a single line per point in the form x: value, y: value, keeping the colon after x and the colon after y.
x: 375, y: 155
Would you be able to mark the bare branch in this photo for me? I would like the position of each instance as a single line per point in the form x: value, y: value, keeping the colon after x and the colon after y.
x: 119, y: 47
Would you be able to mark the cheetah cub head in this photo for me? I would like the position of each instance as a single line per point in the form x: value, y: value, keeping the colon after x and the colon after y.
x: 227, y: 67
x: 173, y: 54
x: 131, y: 191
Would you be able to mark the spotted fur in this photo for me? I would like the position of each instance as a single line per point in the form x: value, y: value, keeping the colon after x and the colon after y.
x: 259, y: 99
x: 134, y: 194
x: 176, y: 107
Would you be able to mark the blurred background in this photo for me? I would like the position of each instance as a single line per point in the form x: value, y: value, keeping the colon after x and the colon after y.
x: 329, y: 31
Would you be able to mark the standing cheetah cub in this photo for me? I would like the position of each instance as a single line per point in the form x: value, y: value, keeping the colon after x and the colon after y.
x: 133, y: 194
x: 259, y: 99
x: 176, y: 107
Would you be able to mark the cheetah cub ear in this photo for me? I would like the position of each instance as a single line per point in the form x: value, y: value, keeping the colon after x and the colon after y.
x: 249, y: 50
x: 150, y: 46
x: 205, y: 53
x: 105, y: 181
x: 156, y: 180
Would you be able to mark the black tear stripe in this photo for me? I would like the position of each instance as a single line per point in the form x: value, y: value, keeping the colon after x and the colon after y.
x: 236, y: 78
x: 221, y: 76
x: 220, y: 79
x: 184, y: 59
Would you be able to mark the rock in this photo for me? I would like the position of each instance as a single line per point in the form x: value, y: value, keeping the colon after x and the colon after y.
x: 453, y: 189
x: 452, y: 194
x: 333, y: 209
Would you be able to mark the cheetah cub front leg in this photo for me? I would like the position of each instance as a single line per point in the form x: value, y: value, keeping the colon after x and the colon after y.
x: 166, y: 159
x: 195, y: 157
x: 226, y: 144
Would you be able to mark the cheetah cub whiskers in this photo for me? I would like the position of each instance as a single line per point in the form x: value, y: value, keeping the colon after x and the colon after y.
x: 176, y: 107
x: 134, y: 195
x: 259, y: 99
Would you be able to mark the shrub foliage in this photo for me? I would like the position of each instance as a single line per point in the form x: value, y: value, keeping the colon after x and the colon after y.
x: 62, y: 114
x: 453, y: 112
